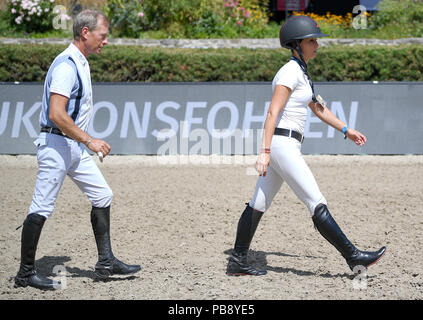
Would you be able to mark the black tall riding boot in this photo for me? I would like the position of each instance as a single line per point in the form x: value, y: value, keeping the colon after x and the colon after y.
x: 27, y: 276
x: 107, y: 264
x: 247, y: 225
x: 329, y: 229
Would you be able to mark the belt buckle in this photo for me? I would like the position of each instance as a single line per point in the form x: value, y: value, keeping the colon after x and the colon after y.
x: 290, y: 133
x: 50, y: 130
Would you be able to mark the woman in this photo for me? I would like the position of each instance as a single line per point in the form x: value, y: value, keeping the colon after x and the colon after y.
x: 281, y: 159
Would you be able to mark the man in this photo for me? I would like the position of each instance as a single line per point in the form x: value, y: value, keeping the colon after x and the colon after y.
x: 67, y: 108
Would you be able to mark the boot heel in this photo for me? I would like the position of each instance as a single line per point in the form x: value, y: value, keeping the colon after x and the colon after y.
x: 103, y: 274
x: 20, y: 283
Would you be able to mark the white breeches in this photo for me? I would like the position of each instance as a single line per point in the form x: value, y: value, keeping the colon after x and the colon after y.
x: 58, y: 157
x: 287, y: 164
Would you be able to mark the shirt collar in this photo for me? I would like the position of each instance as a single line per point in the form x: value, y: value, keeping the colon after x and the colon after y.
x: 78, y: 54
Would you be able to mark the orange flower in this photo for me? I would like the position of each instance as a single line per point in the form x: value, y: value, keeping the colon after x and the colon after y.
x: 328, y: 18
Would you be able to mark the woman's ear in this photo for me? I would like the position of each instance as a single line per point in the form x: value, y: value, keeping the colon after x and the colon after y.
x: 298, y: 43
x: 295, y: 45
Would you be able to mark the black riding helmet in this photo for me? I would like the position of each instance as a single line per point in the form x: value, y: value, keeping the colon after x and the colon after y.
x: 298, y: 28
x: 293, y: 31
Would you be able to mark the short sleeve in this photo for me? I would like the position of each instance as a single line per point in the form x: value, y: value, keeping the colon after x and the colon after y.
x: 288, y: 76
x: 63, y: 80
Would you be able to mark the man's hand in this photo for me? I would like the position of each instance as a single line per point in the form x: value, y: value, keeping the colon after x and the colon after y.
x: 97, y: 145
x: 65, y: 123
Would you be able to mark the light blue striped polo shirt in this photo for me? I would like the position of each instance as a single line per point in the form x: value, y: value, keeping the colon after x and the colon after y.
x: 69, y: 76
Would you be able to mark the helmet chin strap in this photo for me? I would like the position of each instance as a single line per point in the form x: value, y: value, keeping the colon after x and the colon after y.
x: 303, y: 65
x: 298, y: 49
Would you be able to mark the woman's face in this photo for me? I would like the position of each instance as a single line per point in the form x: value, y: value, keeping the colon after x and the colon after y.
x: 309, y: 48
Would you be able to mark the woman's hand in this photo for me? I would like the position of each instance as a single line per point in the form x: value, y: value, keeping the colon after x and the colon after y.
x: 262, y: 163
x: 324, y: 114
x: 357, y: 137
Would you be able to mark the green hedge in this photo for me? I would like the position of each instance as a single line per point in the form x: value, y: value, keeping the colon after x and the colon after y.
x: 132, y: 63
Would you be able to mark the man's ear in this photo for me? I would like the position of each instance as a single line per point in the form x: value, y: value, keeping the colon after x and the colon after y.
x: 84, y: 32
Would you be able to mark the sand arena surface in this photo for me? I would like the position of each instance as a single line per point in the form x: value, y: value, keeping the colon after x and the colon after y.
x: 179, y: 222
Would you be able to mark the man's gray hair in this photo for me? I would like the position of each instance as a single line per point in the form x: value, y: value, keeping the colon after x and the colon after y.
x: 86, y: 18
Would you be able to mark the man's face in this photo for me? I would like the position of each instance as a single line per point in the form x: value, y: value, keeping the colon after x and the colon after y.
x: 97, y: 38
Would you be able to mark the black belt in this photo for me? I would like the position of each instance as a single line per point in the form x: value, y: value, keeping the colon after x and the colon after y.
x: 54, y: 131
x: 289, y: 133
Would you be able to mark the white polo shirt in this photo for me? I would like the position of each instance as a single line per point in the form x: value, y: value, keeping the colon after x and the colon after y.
x: 69, y: 76
x: 294, y: 114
